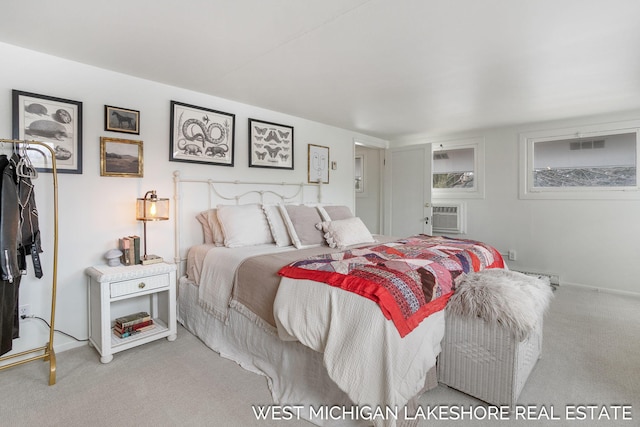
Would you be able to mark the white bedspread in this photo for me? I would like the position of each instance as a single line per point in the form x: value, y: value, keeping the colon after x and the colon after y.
x: 362, y: 351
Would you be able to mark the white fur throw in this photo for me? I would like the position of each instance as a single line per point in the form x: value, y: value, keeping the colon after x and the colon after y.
x: 512, y: 299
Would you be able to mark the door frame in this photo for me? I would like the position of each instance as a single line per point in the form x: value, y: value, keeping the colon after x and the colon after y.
x: 382, y: 147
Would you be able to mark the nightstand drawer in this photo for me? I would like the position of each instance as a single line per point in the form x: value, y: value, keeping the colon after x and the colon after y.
x: 142, y: 284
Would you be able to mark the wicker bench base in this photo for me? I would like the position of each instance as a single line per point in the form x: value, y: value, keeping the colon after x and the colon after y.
x: 485, y: 360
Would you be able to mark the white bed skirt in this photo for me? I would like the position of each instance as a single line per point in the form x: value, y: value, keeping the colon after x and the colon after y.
x: 295, y: 374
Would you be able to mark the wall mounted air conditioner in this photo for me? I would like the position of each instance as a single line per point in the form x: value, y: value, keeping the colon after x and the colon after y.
x: 448, y: 218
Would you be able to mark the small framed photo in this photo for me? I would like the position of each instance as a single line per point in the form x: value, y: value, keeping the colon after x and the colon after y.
x: 118, y: 119
x: 318, y: 164
x: 53, y: 121
x: 270, y: 145
x: 201, y: 135
x: 121, y: 157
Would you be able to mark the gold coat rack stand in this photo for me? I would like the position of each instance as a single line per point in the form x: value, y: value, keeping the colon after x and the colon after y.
x: 47, y: 351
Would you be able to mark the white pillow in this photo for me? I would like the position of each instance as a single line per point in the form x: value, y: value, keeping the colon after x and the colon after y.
x: 244, y: 225
x: 345, y: 232
x: 276, y: 224
x: 301, y: 223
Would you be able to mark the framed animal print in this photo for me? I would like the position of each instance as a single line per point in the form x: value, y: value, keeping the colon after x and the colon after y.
x: 54, y: 121
x: 201, y: 135
x: 121, y: 120
x: 270, y: 145
x: 121, y: 157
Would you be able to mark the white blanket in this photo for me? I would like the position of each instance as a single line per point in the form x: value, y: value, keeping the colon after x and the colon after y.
x: 217, y: 274
x: 362, y: 351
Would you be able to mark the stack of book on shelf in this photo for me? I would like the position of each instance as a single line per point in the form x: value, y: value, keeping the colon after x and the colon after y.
x: 130, y: 247
x: 133, y: 324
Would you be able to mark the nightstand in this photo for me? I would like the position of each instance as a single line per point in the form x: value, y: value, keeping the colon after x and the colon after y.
x: 118, y: 291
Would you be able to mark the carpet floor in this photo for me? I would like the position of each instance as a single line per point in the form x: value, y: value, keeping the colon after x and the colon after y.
x: 591, y: 356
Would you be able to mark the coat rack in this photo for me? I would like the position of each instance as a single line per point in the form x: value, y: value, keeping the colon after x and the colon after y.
x: 48, y: 353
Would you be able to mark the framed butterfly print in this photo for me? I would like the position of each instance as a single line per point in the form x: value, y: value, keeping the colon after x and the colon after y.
x: 270, y: 145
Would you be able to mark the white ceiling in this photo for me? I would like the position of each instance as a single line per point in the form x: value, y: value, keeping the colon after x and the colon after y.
x: 387, y: 68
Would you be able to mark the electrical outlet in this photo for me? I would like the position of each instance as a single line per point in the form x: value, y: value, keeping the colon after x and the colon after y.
x: 24, y: 310
x: 512, y: 255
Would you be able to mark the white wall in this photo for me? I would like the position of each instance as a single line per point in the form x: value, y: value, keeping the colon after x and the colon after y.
x: 619, y: 150
x: 95, y: 211
x: 593, y: 243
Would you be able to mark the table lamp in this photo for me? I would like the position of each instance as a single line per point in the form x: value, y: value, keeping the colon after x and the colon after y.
x: 151, y: 208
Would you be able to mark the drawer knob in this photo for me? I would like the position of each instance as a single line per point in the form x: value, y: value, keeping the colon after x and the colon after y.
x: 141, y: 285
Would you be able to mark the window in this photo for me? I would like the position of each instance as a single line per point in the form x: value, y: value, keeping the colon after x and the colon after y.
x: 598, y: 162
x: 457, y: 168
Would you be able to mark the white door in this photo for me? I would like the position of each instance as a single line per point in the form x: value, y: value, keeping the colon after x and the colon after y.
x: 409, y: 191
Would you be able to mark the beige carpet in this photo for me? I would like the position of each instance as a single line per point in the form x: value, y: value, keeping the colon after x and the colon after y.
x: 591, y: 355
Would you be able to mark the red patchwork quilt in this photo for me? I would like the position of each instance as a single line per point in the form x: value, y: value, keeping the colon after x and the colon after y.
x: 409, y: 279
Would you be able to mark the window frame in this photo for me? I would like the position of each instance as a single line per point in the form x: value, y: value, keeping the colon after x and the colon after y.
x: 475, y: 192
x: 526, y: 172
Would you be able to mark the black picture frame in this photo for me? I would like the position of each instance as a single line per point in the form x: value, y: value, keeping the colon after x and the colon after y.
x: 271, y: 145
x: 123, y: 120
x: 51, y: 120
x: 201, y: 135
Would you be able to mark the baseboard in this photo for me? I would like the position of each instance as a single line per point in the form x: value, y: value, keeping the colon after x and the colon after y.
x: 603, y: 290
x: 61, y: 347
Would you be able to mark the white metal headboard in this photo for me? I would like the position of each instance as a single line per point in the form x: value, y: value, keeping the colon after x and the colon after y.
x: 194, y: 195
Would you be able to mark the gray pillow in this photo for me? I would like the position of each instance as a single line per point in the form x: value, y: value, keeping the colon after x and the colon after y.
x: 338, y: 212
x: 301, y: 222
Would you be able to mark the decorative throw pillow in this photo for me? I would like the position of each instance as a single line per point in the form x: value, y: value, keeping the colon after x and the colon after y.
x: 345, y: 232
x: 244, y: 225
x: 211, y: 227
x: 301, y: 223
x: 335, y: 212
x: 207, y: 234
x: 277, y: 225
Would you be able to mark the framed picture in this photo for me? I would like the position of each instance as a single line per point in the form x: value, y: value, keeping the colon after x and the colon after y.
x: 318, y: 164
x: 270, y: 145
x: 118, y: 119
x: 121, y: 157
x: 201, y: 135
x: 53, y: 121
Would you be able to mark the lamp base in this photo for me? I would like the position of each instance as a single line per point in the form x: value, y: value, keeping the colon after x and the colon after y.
x: 151, y: 259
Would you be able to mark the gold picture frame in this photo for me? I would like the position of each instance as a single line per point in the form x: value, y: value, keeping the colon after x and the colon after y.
x: 121, y: 157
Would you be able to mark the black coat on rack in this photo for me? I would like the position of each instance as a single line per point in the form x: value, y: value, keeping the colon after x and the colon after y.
x: 10, y: 282
x: 27, y: 241
x: 19, y: 237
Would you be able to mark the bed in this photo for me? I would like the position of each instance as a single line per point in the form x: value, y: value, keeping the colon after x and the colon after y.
x: 335, y: 356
